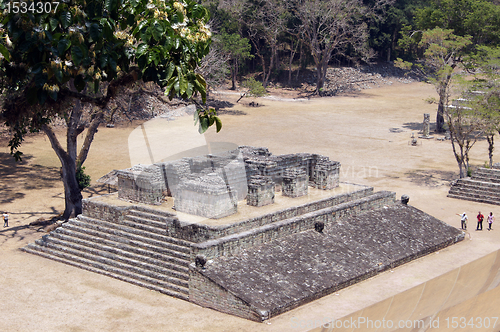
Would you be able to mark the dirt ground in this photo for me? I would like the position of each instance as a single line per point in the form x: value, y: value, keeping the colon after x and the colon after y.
x: 368, y: 133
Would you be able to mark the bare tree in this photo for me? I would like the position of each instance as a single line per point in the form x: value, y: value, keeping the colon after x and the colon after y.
x: 267, y: 22
x: 329, y: 26
x: 466, y: 124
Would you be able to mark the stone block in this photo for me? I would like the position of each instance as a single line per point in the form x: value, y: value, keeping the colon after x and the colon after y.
x: 326, y: 174
x: 143, y: 184
x: 295, y: 182
x: 260, y: 191
x: 207, y: 196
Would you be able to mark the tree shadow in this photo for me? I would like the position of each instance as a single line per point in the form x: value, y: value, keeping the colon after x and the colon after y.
x: 18, y: 177
x: 419, y: 125
x: 431, y: 178
x: 221, y: 106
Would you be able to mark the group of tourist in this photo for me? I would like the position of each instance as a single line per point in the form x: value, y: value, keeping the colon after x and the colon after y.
x: 480, y: 219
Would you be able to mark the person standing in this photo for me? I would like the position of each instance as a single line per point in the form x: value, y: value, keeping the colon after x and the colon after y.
x: 480, y: 219
x: 490, y: 220
x: 6, y: 219
x: 463, y: 220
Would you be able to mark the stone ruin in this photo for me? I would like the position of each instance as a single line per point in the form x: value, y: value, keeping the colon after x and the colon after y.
x: 252, y: 266
x: 211, y: 186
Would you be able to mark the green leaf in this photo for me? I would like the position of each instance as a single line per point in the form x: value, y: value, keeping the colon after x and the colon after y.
x: 218, y: 123
x: 53, y: 23
x: 141, y: 49
x: 203, y: 124
x: 183, y: 84
x: 157, y: 31
x: 104, y: 60
x: 5, y: 52
x: 79, y: 83
x: 95, y: 31
x: 40, y: 80
x: 170, y: 71
x: 77, y: 55
x: 63, y: 46
x: 65, y: 19
x: 59, y: 75
x: 53, y: 95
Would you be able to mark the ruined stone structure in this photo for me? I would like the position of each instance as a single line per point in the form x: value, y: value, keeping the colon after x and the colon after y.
x: 210, y: 186
x: 483, y: 186
x: 252, y: 267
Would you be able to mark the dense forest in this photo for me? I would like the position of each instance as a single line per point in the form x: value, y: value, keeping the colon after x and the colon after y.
x: 275, y: 38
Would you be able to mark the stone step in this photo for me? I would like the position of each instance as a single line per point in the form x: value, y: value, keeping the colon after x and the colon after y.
x: 486, y: 175
x: 478, y: 184
x: 131, y: 232
x: 482, y: 199
x: 109, y: 259
x: 178, y: 271
x: 120, y: 236
x: 125, y: 244
x: 472, y: 189
x: 118, y: 273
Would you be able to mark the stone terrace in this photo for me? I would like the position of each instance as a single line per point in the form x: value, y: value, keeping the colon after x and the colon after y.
x: 280, y: 275
x: 483, y: 186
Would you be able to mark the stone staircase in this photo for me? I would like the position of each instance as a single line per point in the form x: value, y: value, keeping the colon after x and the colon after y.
x: 135, y: 249
x: 483, y: 187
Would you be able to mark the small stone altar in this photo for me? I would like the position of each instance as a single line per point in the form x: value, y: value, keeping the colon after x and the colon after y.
x: 260, y: 191
x: 295, y: 182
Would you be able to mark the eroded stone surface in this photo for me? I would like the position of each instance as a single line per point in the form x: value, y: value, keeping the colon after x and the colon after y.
x: 296, y: 269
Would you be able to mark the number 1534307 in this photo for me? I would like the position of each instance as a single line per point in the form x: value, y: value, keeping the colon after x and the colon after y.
x: 39, y: 7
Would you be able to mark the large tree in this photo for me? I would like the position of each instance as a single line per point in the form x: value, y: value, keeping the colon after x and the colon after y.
x: 444, y: 51
x: 332, y: 27
x: 59, y: 57
x: 266, y: 23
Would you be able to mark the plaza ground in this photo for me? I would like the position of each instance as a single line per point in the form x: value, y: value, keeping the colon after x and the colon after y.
x: 368, y: 133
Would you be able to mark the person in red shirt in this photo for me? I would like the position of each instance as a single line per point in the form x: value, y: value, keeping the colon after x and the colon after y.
x: 480, y: 219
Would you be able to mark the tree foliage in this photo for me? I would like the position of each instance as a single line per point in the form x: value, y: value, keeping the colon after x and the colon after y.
x: 82, y: 53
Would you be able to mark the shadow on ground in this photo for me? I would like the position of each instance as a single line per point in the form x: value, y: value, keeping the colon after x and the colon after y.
x: 431, y: 178
x: 18, y: 177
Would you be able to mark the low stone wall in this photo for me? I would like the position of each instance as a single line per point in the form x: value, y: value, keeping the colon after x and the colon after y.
x: 208, y: 294
x: 199, y: 232
x: 103, y: 211
x: 235, y: 243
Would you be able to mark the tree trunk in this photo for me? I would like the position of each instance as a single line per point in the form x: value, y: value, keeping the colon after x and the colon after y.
x: 440, y: 116
x: 491, y: 147
x: 233, y: 74
x: 72, y: 195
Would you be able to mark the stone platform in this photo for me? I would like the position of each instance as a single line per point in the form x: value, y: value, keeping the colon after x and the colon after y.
x: 267, y: 280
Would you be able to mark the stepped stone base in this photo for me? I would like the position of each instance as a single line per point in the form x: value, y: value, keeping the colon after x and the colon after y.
x: 254, y: 267
x: 265, y: 281
x: 483, y: 187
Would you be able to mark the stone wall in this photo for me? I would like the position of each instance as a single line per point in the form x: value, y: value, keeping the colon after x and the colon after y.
x: 103, y: 211
x: 199, y: 232
x: 234, y: 243
x: 208, y: 294
x: 143, y: 184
